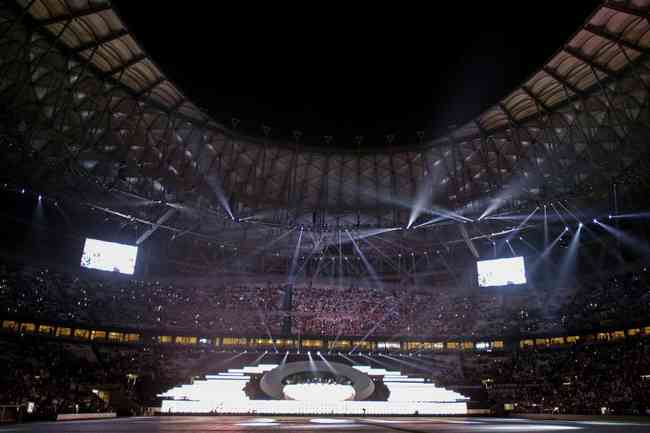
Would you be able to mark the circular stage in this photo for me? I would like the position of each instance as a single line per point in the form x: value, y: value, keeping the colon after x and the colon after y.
x: 273, y: 382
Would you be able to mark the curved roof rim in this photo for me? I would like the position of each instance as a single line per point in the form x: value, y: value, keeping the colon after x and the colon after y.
x: 470, y: 129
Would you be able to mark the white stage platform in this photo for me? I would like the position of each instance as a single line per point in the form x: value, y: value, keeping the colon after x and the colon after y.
x: 224, y: 394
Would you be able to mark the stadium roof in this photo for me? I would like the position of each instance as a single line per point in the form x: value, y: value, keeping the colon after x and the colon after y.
x: 88, y: 100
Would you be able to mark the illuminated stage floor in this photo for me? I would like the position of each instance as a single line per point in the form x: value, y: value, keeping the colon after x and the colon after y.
x: 198, y: 424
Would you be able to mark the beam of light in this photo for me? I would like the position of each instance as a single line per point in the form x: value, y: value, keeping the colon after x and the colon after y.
x: 630, y: 215
x: 379, y: 323
x: 134, y: 200
x: 215, y: 185
x: 284, y: 360
x: 632, y: 242
x: 545, y: 227
x: 615, y: 251
x: 262, y: 318
x: 518, y: 217
x: 259, y: 358
x: 424, y: 194
x: 569, y: 212
x: 261, y: 215
x: 388, y: 259
x: 544, y: 255
x: 294, y: 260
x: 567, y: 266
x: 347, y: 358
x: 449, y: 270
x: 327, y: 363
x: 512, y: 250
x: 410, y: 364
x: 443, y: 215
x: 339, y: 331
x: 559, y: 215
x: 312, y: 364
x: 548, y: 249
x: 227, y: 360
x: 64, y: 215
x: 409, y: 204
x: 435, y: 221
x: 521, y: 224
x: 528, y: 244
x: 436, y: 210
x: 376, y: 361
x: 495, y: 204
x: 508, y: 192
x: 394, y: 244
x: 358, y: 234
x: 39, y: 214
x: 339, y: 262
x: 365, y: 261
x: 259, y: 250
x: 318, y: 245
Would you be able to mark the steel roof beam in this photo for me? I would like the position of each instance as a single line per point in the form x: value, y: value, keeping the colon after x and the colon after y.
x: 615, y: 38
x: 564, y: 82
x: 618, y: 7
x: 99, y: 41
x: 538, y: 102
x: 150, y: 87
x: 75, y: 15
x: 124, y: 66
x: 578, y: 55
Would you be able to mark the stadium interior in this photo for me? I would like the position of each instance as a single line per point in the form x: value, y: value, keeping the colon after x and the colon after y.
x: 157, y: 262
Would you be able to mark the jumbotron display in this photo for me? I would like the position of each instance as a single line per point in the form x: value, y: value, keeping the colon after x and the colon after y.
x: 501, y: 272
x: 109, y: 256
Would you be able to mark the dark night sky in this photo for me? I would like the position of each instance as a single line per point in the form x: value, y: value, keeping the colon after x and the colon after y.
x: 344, y: 71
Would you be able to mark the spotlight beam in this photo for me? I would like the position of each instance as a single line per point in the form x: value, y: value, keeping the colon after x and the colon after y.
x: 630, y: 241
x: 531, y: 246
x: 410, y: 364
x: 558, y: 214
x: 327, y: 363
x: 263, y: 318
x: 386, y: 365
x: 365, y: 261
x: 631, y: 215
x: 569, y: 259
x: 348, y: 359
x: 294, y: 259
x: 215, y: 184
x: 388, y: 259
x: 545, y: 227
x: 569, y: 211
x: 544, y: 256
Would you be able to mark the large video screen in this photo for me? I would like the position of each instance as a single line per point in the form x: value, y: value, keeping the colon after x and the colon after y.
x: 501, y: 272
x: 109, y: 256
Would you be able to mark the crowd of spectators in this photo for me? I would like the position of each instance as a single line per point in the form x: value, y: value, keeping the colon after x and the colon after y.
x: 45, y: 377
x: 259, y: 310
x: 116, y: 301
x: 589, y: 378
x: 429, y: 313
x: 53, y: 377
x: 610, y: 377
